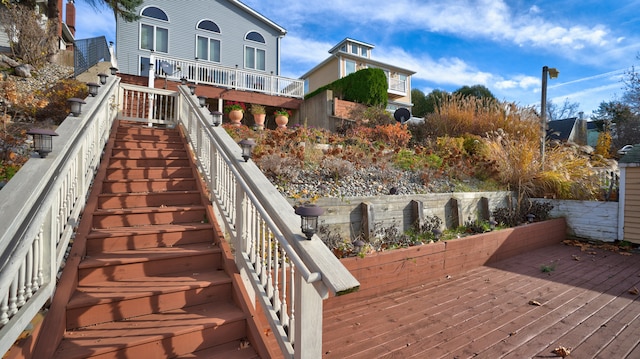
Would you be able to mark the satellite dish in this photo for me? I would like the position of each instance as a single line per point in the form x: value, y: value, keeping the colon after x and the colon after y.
x: 402, y: 115
x: 166, y: 68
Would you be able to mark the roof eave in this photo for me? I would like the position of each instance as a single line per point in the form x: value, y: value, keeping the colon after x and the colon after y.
x: 259, y: 16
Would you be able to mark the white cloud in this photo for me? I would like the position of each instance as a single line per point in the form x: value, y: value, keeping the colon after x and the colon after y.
x: 489, y: 19
x: 519, y: 81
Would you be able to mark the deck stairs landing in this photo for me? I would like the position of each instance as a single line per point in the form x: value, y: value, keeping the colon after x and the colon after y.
x: 153, y: 283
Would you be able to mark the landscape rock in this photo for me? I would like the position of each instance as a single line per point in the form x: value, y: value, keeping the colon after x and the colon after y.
x: 6, y: 61
x: 23, y: 70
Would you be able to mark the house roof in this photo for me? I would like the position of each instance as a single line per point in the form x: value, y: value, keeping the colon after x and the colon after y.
x: 358, y: 58
x: 561, y: 129
x: 261, y: 17
x: 348, y: 39
x: 335, y: 54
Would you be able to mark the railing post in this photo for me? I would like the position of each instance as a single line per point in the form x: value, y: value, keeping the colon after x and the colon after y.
x: 152, y: 71
x: 149, y: 96
x: 308, y: 320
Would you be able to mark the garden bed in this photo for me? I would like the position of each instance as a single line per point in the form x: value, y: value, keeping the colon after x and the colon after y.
x: 394, y: 270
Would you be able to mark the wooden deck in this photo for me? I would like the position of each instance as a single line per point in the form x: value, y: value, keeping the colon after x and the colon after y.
x: 511, y: 309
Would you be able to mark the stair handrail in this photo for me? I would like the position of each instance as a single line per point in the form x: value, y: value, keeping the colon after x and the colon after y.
x: 248, y: 201
x: 41, y: 206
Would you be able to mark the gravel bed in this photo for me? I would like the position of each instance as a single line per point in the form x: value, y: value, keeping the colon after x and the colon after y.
x: 43, y: 78
x: 363, y: 183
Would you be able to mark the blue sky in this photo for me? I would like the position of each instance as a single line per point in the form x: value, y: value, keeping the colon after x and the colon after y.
x: 502, y: 45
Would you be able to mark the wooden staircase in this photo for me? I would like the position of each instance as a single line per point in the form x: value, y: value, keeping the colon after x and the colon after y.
x: 154, y: 282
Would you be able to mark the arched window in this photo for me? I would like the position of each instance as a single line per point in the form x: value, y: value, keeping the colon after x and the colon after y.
x: 152, y: 36
x: 255, y: 57
x: 207, y: 46
x: 155, y: 13
x: 208, y: 25
x: 254, y: 36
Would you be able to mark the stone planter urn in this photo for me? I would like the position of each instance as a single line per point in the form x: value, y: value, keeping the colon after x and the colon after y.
x: 259, y: 118
x: 282, y: 121
x: 236, y: 117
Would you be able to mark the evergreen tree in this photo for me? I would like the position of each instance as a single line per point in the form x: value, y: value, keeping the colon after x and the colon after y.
x: 478, y: 91
x: 126, y: 9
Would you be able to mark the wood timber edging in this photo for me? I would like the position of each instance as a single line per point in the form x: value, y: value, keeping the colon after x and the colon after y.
x: 394, y: 270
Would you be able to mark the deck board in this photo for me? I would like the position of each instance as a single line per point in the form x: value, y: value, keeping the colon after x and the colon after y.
x: 485, y: 312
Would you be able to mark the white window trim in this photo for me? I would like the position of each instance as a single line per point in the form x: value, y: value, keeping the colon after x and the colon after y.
x: 355, y: 67
x: 154, y: 18
x: 253, y: 41
x: 255, y: 49
x: 209, y: 38
x: 207, y: 31
x: 155, y: 37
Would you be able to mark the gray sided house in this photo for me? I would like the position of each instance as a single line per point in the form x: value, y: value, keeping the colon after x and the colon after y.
x: 219, y: 32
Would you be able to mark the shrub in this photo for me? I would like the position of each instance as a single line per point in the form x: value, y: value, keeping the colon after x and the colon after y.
x: 371, y: 116
x: 280, y: 167
x: 57, y: 108
x: 366, y: 86
x: 409, y: 160
x: 35, y: 41
x: 517, y: 213
x: 603, y: 146
x: 337, y: 168
x: 458, y: 115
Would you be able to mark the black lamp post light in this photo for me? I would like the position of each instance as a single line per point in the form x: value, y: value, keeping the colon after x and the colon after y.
x: 247, y: 146
x: 309, y: 214
x: 93, y: 88
x: 552, y: 73
x: 114, y: 70
x: 76, y: 105
x: 42, y: 140
x: 202, y: 100
x: 216, y: 118
x: 193, y: 89
x: 103, y: 78
x: 183, y: 81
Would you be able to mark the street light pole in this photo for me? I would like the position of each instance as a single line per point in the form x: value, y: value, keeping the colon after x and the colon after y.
x: 552, y: 73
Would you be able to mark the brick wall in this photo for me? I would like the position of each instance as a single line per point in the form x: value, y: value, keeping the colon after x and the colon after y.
x: 342, y: 109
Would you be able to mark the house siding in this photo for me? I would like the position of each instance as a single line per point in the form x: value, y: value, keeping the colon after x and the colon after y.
x: 233, y: 21
x: 324, y: 75
x: 4, y: 40
x: 632, y: 205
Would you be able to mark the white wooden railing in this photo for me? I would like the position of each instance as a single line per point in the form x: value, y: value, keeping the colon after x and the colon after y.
x: 204, y: 72
x: 41, y: 207
x: 287, y: 274
x: 397, y: 85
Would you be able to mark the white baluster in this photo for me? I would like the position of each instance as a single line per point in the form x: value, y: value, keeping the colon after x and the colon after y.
x: 4, y: 310
x: 29, y: 276
x: 21, y: 284
x: 284, y: 317
x: 276, y: 275
x: 39, y: 261
x: 291, y: 320
x: 13, y: 297
x: 269, y: 279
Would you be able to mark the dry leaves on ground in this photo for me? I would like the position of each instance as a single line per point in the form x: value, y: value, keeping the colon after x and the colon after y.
x: 562, y: 351
x: 589, y: 247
